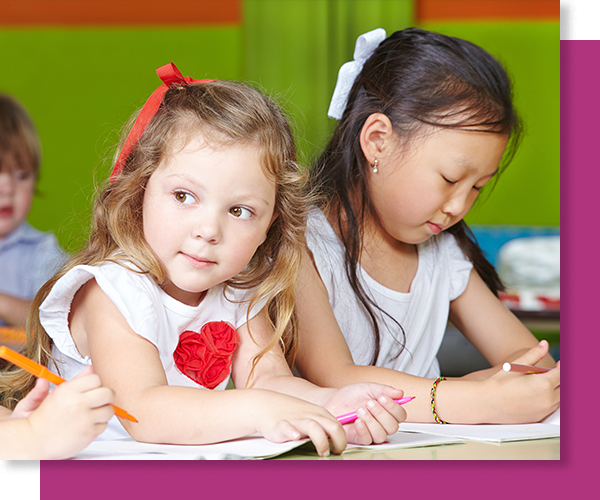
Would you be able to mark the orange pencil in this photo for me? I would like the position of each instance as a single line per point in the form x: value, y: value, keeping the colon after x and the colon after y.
x: 515, y: 367
x: 43, y: 372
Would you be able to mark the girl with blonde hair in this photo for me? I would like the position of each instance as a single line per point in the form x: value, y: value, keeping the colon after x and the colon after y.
x: 188, y: 279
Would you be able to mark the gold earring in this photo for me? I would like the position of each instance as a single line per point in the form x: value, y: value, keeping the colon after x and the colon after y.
x: 374, y: 166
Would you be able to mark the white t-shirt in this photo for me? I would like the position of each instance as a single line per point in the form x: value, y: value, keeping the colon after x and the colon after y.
x: 442, y: 275
x: 148, y: 310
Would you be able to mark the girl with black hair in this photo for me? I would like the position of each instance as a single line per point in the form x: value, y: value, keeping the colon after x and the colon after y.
x: 425, y: 122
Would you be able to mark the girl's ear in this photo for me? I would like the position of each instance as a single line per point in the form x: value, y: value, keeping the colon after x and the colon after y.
x: 275, y: 215
x: 375, y: 135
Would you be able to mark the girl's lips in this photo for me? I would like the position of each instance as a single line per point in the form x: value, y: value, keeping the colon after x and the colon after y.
x: 198, y: 262
x: 434, y: 228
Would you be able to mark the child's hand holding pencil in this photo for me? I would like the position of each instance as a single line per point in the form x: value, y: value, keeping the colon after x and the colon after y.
x: 521, y: 391
x: 69, y: 418
x: 43, y: 372
x: 57, y: 425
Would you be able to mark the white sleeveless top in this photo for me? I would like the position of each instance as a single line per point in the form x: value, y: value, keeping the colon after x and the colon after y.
x: 442, y: 275
x: 148, y: 310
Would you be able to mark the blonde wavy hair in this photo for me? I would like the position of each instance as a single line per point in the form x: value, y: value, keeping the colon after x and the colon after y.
x: 224, y: 114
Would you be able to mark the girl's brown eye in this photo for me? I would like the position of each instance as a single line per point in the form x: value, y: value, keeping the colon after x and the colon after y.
x: 240, y: 213
x: 180, y: 197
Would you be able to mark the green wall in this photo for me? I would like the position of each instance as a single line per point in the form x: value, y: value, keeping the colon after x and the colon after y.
x: 295, y: 48
x: 80, y: 85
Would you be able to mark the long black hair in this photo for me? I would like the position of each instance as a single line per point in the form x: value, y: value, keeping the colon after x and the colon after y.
x: 416, y: 78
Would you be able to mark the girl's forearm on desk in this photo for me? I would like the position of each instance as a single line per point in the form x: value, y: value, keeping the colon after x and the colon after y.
x: 498, y: 399
x: 417, y: 410
x: 184, y: 415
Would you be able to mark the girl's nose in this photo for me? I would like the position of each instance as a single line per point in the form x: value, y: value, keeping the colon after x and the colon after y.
x: 208, y: 228
x: 459, y: 204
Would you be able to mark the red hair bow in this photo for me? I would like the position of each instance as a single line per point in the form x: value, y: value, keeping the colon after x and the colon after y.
x: 170, y: 75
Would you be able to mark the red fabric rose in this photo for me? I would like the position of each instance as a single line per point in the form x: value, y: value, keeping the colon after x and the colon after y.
x: 205, y: 357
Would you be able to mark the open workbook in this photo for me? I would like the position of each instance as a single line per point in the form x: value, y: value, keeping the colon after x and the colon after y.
x: 256, y: 447
x: 248, y: 448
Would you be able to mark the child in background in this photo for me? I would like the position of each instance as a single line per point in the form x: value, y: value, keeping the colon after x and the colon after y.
x: 188, y: 277
x: 28, y: 257
x: 59, y: 425
x: 424, y: 125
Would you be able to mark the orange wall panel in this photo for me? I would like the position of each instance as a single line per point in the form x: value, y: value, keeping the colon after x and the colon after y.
x: 501, y: 10
x: 119, y: 12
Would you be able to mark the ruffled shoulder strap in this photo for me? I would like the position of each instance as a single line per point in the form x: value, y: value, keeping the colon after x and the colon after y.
x: 135, y: 296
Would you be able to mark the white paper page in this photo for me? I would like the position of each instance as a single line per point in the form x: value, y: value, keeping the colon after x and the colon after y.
x: 406, y: 440
x: 252, y: 447
x: 489, y: 432
x: 128, y: 449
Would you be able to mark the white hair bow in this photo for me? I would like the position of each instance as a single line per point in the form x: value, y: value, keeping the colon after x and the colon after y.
x: 365, y: 46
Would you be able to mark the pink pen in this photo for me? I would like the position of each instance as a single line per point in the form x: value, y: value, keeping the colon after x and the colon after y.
x: 351, y: 417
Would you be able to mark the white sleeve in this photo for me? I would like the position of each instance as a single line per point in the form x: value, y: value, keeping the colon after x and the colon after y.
x: 135, y: 296
x: 460, y: 267
x: 327, y: 252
